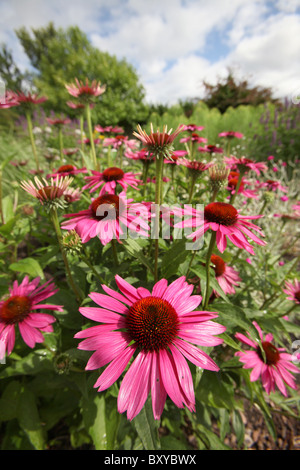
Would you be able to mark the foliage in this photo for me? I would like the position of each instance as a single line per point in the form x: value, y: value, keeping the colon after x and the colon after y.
x: 231, y: 92
x: 48, y: 399
x: 59, y: 56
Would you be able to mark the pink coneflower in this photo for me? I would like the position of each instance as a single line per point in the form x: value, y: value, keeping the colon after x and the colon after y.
x: 296, y: 208
x: 272, y: 185
x: 227, y: 222
x: 106, y: 218
x: 58, y: 121
x: 9, y: 100
x: 273, y: 368
x: 29, y: 99
x: 194, y: 138
x: 231, y: 135
x: 66, y: 170
x: 85, y: 91
x: 75, y: 105
x: 48, y: 192
x: 156, y: 330
x: 293, y: 290
x: 109, y: 129
x: 22, y: 309
x: 232, y: 184
x: 175, y: 157
x: 120, y: 140
x: 192, y: 128
x: 194, y: 166
x: 159, y: 143
x: 211, y: 149
x: 226, y: 276
x: 142, y: 154
x: 109, y: 179
x: 244, y: 164
x: 71, y: 151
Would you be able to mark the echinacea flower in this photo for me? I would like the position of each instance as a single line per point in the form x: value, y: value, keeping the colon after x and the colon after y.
x: 159, y: 143
x: 231, y: 135
x: 244, y: 164
x: 120, y: 140
x: 211, y: 149
x: 29, y: 98
x: 292, y: 289
x: 273, y: 366
x: 66, y: 170
x: 49, y: 193
x: 226, y: 221
x: 109, y: 129
x: 194, y: 138
x: 226, y: 276
x: 9, y: 100
x: 23, y: 309
x: 109, y: 179
x: 272, y: 185
x: 106, y: 217
x: 57, y: 122
x: 233, y: 180
x: 156, y: 329
x: 194, y: 167
x: 192, y: 128
x: 85, y: 91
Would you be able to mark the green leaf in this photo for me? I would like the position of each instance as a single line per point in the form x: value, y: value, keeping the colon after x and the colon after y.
x: 147, y: 427
x: 9, y: 401
x: 93, y: 413
x: 29, y: 266
x: 234, y: 316
x: 238, y: 426
x: 174, y: 256
x: 135, y: 250
x: 33, y: 363
x: 200, y: 271
x: 29, y: 419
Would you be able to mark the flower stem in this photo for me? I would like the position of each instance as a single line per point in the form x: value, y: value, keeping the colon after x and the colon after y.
x: 191, y: 192
x: 207, y: 266
x: 159, y: 161
x: 31, y: 136
x: 89, y: 123
x: 54, y: 219
x: 1, y: 206
x: 61, y: 145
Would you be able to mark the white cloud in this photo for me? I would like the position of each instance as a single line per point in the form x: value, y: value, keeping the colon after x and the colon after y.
x: 166, y: 40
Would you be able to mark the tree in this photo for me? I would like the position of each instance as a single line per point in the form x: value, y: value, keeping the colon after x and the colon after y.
x: 59, y: 56
x: 9, y: 71
x: 230, y: 92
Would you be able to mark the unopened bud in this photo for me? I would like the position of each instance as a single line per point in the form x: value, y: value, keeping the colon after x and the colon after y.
x: 72, y: 242
x: 218, y: 174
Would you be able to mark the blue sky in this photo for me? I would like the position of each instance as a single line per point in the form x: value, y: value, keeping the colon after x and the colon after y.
x: 176, y: 44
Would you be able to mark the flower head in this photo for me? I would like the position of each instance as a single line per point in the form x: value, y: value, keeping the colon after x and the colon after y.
x: 49, y: 193
x: 58, y: 122
x: 156, y: 329
x: 66, y: 170
x: 231, y: 135
x: 211, y: 149
x: 268, y: 362
x: 109, y: 179
x: 194, y: 138
x: 218, y: 176
x: 28, y: 99
x: 233, y: 179
x: 9, y: 100
x: 227, y: 222
x: 85, y: 91
x: 226, y: 276
x: 244, y: 164
x: 120, y: 140
x: 194, y: 167
x: 293, y: 290
x: 106, y: 218
x: 23, y: 309
x: 159, y: 143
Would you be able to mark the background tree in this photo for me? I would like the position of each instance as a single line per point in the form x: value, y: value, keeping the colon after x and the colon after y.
x: 59, y: 55
x: 231, y: 92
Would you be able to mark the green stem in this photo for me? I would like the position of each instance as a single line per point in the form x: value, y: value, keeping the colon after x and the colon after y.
x: 291, y: 309
x: 191, y: 192
x: 214, y: 195
x: 207, y: 266
x: 55, y: 222
x: 89, y: 264
x: 89, y: 123
x: 145, y: 176
x: 190, y: 263
x: 81, y: 132
x: 159, y: 161
x: 61, y: 145
x: 31, y: 136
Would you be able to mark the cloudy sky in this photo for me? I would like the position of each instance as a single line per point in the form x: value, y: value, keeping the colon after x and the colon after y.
x: 176, y: 44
